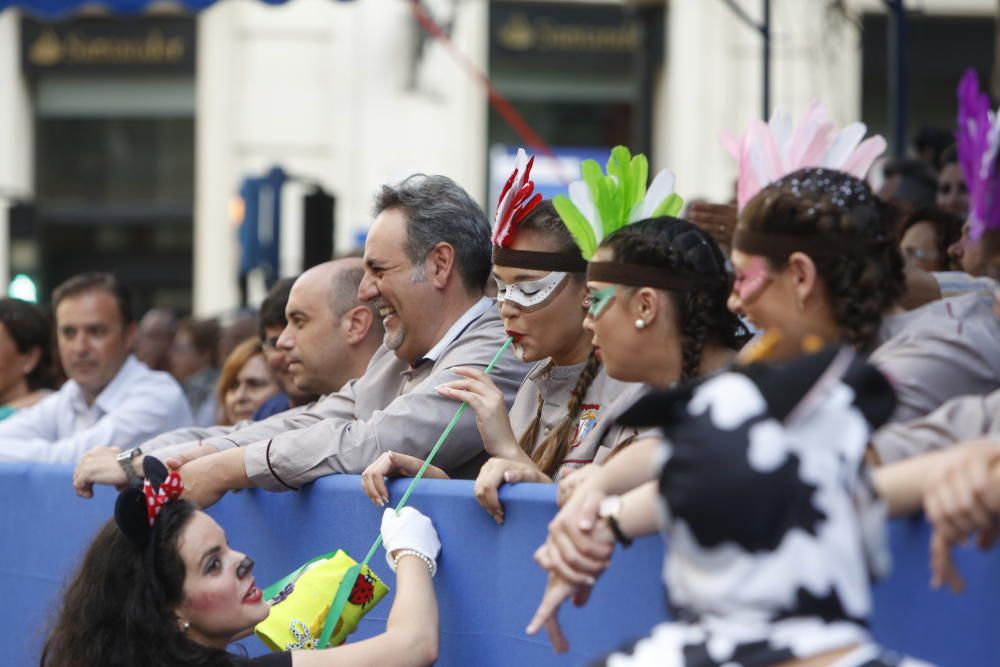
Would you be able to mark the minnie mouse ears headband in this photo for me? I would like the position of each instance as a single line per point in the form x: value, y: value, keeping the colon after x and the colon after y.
x: 517, y: 200
x: 137, y: 508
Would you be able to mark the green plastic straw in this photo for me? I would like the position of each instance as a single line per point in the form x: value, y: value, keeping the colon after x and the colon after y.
x: 344, y: 590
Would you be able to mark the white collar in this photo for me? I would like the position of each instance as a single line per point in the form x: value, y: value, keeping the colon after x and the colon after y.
x: 112, y: 394
x: 456, y: 329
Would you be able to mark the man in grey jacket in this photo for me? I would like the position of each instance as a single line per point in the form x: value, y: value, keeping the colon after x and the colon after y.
x: 427, y: 259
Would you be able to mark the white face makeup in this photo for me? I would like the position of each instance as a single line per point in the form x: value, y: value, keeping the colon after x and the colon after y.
x: 530, y: 295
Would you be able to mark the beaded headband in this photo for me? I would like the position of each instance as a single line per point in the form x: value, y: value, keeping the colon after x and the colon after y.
x: 806, y: 184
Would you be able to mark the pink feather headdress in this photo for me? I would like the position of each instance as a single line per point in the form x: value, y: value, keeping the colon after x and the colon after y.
x: 977, y: 141
x: 516, y: 200
x: 768, y: 151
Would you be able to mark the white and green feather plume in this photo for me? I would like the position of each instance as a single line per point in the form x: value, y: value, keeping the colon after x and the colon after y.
x: 600, y: 204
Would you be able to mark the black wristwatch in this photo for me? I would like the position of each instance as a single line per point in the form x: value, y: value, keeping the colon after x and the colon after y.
x: 125, y: 461
x: 610, y: 510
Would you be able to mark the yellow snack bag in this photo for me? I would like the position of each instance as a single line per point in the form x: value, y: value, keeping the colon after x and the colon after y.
x: 301, y: 601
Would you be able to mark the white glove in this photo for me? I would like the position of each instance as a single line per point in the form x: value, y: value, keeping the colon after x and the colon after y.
x: 409, y: 530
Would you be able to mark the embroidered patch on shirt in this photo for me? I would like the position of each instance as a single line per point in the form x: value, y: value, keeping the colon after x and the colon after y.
x: 586, y: 423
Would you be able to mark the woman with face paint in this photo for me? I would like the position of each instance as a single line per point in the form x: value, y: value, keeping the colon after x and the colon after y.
x: 658, y: 313
x: 161, y: 587
x: 815, y: 259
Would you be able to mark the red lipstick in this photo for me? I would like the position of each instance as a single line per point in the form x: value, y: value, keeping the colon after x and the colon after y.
x: 253, y: 595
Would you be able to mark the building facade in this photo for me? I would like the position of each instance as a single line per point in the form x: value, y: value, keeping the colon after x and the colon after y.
x: 351, y: 95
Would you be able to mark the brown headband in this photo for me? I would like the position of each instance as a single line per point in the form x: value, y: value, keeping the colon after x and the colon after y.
x: 538, y: 261
x: 636, y: 275
x: 780, y: 246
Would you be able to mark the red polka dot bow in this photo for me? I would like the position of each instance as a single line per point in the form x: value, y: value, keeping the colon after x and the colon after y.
x: 171, y: 489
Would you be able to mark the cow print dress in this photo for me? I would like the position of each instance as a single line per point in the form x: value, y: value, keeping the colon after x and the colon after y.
x: 773, y: 528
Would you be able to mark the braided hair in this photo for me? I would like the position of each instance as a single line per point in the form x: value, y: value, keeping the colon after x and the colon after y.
x: 672, y: 244
x: 860, y: 285
x: 551, y: 451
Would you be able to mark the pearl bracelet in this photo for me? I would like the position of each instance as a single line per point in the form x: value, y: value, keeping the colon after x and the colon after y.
x: 431, y: 565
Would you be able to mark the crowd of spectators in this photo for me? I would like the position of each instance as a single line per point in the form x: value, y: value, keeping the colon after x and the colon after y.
x: 631, y: 345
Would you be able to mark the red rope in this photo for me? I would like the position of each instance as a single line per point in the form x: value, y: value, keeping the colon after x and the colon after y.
x: 493, y: 96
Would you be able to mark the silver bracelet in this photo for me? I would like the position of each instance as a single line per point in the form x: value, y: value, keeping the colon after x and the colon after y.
x: 431, y: 565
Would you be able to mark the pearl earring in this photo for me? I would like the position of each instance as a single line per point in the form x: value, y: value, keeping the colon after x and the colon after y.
x: 185, y: 626
x: 640, y: 324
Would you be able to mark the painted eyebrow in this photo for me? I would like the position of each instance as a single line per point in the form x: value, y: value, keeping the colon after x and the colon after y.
x: 520, y: 278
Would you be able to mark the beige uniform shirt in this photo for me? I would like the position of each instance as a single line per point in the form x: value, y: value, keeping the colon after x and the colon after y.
x: 963, y: 418
x: 603, y: 441
x: 551, y: 388
x: 392, y: 407
x: 937, y: 352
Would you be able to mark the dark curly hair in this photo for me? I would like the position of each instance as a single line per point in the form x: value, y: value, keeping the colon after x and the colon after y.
x: 672, y: 244
x: 860, y: 285
x: 118, y: 610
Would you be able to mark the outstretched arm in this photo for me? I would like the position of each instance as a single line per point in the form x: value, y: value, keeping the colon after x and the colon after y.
x: 411, y: 633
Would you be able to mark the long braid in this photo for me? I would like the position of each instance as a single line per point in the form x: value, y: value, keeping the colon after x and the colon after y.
x: 551, y: 452
x: 527, y: 440
x: 694, y: 332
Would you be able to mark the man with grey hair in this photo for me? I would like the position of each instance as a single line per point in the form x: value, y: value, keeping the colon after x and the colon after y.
x: 427, y: 260
x: 328, y: 340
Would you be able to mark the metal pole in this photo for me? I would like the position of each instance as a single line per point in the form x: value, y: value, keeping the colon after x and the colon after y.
x: 897, y: 76
x: 765, y: 33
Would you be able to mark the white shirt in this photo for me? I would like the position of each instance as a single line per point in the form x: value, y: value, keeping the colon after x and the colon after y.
x: 136, y: 405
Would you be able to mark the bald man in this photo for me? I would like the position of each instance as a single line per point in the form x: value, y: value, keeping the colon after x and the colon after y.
x: 329, y: 340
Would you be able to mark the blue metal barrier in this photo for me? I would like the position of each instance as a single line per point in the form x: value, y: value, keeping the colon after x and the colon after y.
x: 487, y: 584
